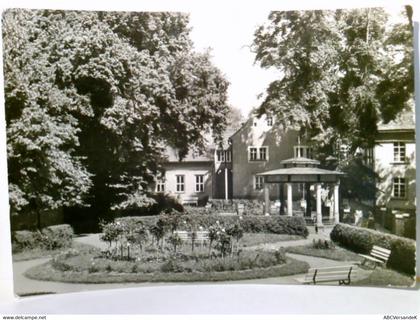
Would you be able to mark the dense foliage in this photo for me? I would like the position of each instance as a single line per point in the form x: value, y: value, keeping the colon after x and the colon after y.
x: 248, y: 223
x: 93, y: 98
x: 343, y: 71
x: 50, y: 238
x: 403, y: 250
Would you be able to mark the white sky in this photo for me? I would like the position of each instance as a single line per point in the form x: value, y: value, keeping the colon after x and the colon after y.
x: 229, y: 34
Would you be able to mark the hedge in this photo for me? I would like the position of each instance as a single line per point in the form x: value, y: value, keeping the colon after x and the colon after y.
x: 52, y: 237
x: 58, y: 236
x: 361, y: 240
x: 250, y: 223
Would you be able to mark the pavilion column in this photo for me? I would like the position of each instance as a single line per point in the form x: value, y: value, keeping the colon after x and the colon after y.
x: 336, y: 203
x: 289, y: 199
x: 318, y: 205
x: 266, y: 198
x: 332, y: 206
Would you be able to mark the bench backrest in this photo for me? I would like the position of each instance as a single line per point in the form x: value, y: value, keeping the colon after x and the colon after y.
x: 202, y: 235
x: 330, y: 273
x: 187, y: 236
x: 380, y: 253
x: 184, y: 235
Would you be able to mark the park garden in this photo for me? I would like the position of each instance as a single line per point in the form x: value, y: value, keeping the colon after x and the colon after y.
x: 190, y: 247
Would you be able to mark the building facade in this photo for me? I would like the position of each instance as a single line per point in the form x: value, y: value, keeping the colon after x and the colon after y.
x: 394, y: 162
x: 258, y: 147
x: 189, y: 179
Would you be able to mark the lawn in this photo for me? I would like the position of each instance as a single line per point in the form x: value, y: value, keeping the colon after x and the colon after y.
x: 253, y: 239
x: 386, y: 277
x: 336, y: 253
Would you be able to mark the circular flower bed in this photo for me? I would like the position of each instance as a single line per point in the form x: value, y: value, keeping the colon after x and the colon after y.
x: 92, y: 267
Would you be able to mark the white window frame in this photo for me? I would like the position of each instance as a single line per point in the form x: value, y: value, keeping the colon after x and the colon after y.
x: 257, y: 155
x: 258, y: 182
x: 253, y: 154
x: 180, y: 185
x: 270, y: 121
x: 223, y: 155
x: 399, y: 188
x: 265, y: 153
x: 199, y: 183
x: 160, y: 185
x: 400, y: 150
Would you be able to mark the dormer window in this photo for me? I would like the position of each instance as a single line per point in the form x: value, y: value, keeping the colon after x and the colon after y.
x: 223, y: 156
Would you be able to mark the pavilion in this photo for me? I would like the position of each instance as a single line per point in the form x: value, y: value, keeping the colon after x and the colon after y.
x: 306, y: 171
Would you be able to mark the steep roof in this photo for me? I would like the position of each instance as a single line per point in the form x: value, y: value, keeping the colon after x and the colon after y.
x: 192, y: 156
x: 404, y: 121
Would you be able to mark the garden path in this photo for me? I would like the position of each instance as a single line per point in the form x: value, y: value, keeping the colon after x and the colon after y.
x: 24, y: 285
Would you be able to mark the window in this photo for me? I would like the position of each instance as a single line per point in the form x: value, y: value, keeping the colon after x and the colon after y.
x: 263, y: 153
x: 180, y: 183
x: 258, y: 154
x: 220, y: 155
x: 399, y: 188
x: 269, y: 121
x: 258, y: 182
x: 399, y: 151
x: 253, y: 154
x: 160, y: 185
x: 369, y: 156
x: 223, y: 155
x: 199, y: 183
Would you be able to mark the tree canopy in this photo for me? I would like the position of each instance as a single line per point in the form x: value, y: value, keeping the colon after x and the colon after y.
x: 93, y: 98
x: 342, y: 71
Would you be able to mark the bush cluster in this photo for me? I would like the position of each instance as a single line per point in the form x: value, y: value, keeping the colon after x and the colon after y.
x: 361, y: 240
x: 249, y: 223
x: 50, y: 238
x: 322, y: 244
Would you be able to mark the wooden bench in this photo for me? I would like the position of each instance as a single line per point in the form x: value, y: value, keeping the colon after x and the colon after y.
x: 377, y: 255
x: 342, y: 274
x: 201, y: 237
x: 190, y: 201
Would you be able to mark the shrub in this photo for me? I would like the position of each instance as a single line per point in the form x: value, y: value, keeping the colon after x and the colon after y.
x: 403, y: 250
x: 171, y: 266
x: 25, y: 239
x: 249, y: 223
x: 58, y: 236
x: 322, y: 244
x: 52, y: 237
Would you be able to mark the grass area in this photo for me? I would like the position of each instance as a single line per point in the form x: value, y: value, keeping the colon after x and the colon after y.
x: 44, y: 253
x: 253, y: 239
x: 338, y: 253
x: 47, y: 273
x: 386, y: 277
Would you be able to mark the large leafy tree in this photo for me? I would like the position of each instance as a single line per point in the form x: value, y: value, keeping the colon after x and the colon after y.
x: 343, y: 71
x: 96, y: 96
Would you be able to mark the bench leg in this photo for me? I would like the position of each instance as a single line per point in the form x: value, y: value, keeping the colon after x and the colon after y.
x: 345, y: 282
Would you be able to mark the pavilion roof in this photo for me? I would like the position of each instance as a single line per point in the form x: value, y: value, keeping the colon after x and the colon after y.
x: 300, y: 161
x: 299, y: 171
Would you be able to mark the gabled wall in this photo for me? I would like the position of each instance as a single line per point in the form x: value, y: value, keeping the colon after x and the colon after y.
x: 255, y: 132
